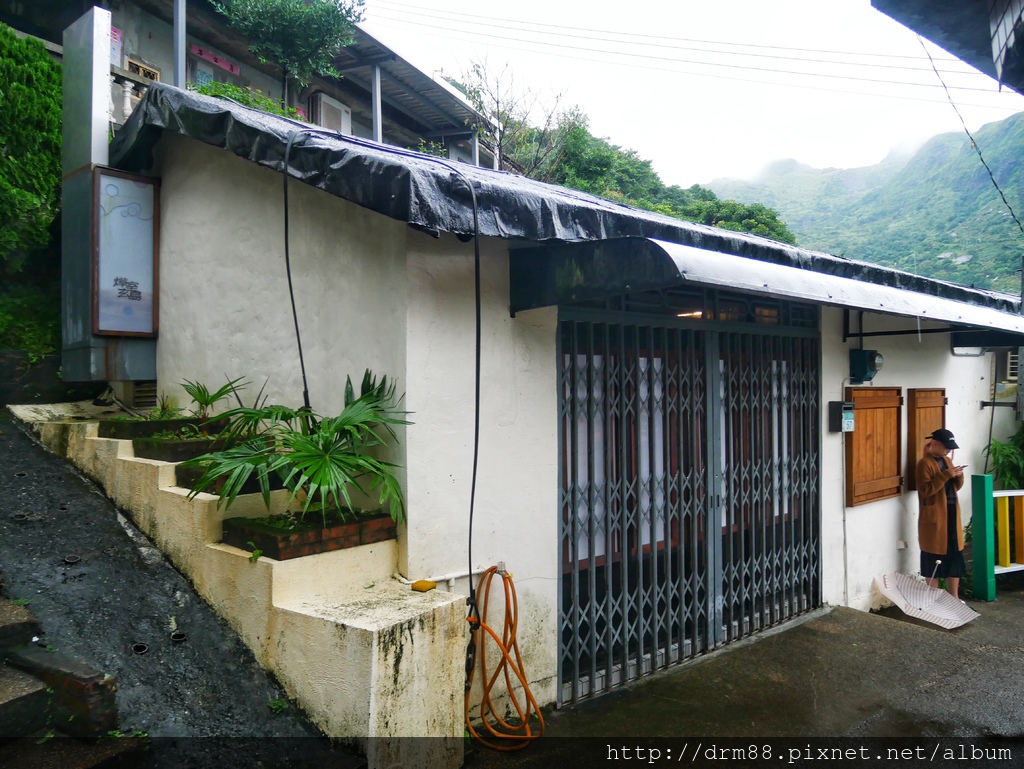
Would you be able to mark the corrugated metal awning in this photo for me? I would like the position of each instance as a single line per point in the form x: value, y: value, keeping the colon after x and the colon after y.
x: 571, y: 273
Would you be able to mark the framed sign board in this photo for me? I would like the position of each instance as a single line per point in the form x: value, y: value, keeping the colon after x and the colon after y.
x: 125, y: 261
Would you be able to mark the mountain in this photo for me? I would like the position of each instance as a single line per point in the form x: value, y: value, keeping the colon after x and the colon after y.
x: 935, y: 212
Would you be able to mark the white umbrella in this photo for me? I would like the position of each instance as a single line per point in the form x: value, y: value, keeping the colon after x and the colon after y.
x: 916, y: 599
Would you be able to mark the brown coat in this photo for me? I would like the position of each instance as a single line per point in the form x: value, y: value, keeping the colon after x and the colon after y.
x: 931, y: 496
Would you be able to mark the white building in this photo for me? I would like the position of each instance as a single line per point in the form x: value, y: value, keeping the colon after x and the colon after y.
x: 656, y: 462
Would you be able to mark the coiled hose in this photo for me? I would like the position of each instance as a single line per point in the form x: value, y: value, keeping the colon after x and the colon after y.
x: 500, y: 734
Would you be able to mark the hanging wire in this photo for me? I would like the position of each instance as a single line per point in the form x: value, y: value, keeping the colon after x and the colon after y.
x: 288, y: 269
x: 974, y: 144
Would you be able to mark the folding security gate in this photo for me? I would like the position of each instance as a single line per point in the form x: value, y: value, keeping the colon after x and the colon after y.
x: 689, y: 512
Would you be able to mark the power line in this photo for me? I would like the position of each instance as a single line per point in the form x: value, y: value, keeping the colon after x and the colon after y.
x: 602, y: 36
x: 421, y: 25
x: 731, y: 78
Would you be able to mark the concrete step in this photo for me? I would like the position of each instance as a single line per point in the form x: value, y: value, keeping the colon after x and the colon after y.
x: 24, y: 705
x: 53, y: 750
x: 17, y: 625
x: 83, y: 698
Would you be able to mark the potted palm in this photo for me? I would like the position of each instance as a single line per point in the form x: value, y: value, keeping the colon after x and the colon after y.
x: 326, y: 463
x: 195, y: 436
x: 167, y: 418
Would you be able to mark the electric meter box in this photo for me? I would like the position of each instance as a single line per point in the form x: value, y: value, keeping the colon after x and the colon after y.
x: 840, y: 417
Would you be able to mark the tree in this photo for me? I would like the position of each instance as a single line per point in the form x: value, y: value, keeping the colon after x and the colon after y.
x: 562, y: 150
x: 526, y: 133
x: 302, y: 37
x: 30, y: 146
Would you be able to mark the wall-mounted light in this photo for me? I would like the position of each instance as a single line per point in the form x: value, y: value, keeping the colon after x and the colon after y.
x: 864, y: 364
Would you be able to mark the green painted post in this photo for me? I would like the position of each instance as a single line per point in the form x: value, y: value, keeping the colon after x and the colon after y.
x: 983, y: 538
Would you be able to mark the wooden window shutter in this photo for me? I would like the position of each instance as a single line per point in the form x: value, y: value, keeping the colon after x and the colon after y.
x: 926, y: 413
x: 874, y: 450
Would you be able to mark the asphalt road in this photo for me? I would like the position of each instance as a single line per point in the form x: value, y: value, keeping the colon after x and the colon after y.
x: 205, y: 698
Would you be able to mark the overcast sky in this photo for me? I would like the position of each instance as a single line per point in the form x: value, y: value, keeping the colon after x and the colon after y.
x: 704, y: 89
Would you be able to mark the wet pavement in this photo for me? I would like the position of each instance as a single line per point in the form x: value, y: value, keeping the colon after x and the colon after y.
x: 839, y: 679
x: 99, y: 589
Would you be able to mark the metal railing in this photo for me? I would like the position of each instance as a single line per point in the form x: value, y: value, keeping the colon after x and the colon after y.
x: 997, y: 528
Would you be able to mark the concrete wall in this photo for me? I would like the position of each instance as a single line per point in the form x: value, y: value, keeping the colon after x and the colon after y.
x: 516, y: 510
x: 868, y: 544
x: 224, y: 305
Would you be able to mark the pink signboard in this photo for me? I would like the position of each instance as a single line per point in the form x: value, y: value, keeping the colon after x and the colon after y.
x: 219, y: 61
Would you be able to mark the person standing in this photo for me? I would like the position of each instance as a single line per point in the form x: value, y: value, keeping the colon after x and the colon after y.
x: 939, y: 529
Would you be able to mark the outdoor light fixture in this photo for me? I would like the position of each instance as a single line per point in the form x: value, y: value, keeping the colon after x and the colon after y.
x: 864, y: 364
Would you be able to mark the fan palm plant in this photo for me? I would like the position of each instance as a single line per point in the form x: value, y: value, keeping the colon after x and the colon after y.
x: 204, y: 399
x: 319, y: 460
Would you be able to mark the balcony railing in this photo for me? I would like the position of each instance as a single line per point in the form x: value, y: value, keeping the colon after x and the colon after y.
x: 126, y: 89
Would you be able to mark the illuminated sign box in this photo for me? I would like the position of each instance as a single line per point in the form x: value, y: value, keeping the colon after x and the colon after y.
x: 124, y: 268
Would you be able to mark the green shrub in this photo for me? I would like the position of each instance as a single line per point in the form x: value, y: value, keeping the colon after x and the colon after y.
x: 30, y: 141
x: 247, y: 97
x: 30, y: 320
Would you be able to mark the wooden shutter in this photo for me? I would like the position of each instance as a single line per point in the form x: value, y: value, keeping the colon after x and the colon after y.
x: 926, y: 413
x: 874, y: 449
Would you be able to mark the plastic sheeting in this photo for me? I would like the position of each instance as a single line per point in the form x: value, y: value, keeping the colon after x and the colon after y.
x: 433, y: 193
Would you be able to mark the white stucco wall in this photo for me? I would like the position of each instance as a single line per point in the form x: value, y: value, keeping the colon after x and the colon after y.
x: 873, y: 531
x: 224, y: 305
x: 516, y: 510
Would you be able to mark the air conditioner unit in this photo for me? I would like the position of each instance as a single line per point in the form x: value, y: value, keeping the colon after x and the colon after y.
x: 1007, y: 366
x: 330, y: 113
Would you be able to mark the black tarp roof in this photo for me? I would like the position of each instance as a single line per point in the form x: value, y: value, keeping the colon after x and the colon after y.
x: 433, y: 193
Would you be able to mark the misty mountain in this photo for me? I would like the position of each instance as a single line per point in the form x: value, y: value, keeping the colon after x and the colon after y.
x: 935, y: 212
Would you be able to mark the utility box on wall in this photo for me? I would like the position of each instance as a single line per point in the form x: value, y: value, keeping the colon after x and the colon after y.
x: 840, y: 417
x: 113, y: 354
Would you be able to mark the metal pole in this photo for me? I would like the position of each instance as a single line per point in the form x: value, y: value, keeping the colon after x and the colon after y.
x: 378, y: 132
x: 179, y: 43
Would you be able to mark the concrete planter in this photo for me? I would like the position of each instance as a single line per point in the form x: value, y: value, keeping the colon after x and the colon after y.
x: 308, y: 537
x: 176, y: 450
x: 188, y: 476
x: 130, y: 429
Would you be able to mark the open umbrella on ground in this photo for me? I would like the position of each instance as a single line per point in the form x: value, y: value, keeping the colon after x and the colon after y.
x: 916, y: 599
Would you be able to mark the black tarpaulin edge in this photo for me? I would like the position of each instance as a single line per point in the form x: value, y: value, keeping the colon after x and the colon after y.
x: 432, y: 193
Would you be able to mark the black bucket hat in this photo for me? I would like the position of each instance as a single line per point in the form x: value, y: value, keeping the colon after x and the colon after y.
x: 945, y: 437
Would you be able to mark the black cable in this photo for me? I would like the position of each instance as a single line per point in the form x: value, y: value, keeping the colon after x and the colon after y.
x: 457, y: 173
x: 288, y: 269
x: 974, y: 145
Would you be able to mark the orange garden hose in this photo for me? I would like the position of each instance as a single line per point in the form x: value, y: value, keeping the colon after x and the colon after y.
x: 502, y: 735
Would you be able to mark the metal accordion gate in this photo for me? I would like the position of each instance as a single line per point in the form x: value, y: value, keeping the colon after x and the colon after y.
x: 689, y: 510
